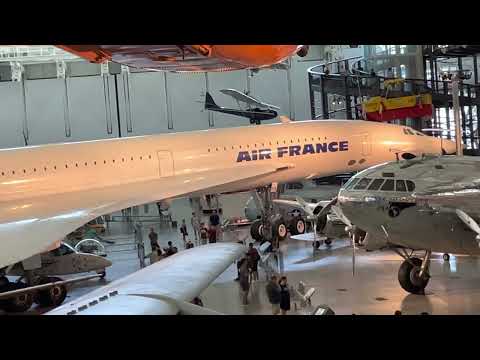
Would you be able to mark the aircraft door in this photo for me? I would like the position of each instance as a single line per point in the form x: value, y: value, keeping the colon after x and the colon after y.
x: 165, y: 163
x: 366, y: 145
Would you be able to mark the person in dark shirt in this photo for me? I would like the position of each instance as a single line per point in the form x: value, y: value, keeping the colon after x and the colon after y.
x: 273, y: 293
x: 284, y: 295
x: 183, y: 230
x: 253, y: 258
x: 153, y: 236
x: 203, y: 234
x: 214, y: 223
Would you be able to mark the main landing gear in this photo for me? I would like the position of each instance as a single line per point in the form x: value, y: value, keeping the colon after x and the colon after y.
x: 52, y: 296
x: 271, y: 226
x: 414, y: 274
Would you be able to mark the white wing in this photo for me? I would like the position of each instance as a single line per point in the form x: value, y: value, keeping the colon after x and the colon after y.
x: 239, y: 96
x: 164, y: 288
x: 31, y: 229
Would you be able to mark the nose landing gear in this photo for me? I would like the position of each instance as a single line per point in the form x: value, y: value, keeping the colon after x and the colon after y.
x: 413, y: 274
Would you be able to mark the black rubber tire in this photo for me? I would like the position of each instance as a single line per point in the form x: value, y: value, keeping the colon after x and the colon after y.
x: 52, y: 296
x: 255, y: 230
x: 328, y: 241
x: 404, y: 277
x: 316, y: 244
x: 103, y: 274
x: 298, y: 226
x: 446, y: 257
x: 19, y: 303
x: 279, y: 228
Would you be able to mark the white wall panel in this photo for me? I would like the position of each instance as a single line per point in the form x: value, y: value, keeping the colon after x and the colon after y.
x: 271, y: 86
x: 300, y: 90
x: 45, y: 111
x: 227, y: 80
x: 186, y: 95
x: 147, y: 103
x: 11, y: 115
x: 93, y: 115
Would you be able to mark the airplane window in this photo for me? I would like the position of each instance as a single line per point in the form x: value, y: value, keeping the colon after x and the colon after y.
x: 375, y: 185
x: 400, y: 186
x: 410, y: 185
x: 362, y: 184
x: 388, y: 185
x: 350, y: 183
x: 419, y: 133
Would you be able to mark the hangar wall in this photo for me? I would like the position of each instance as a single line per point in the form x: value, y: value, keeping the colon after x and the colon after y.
x: 87, y: 106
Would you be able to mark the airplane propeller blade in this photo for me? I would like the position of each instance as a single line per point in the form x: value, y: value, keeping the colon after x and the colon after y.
x: 467, y: 219
x: 327, y: 207
x: 305, y: 206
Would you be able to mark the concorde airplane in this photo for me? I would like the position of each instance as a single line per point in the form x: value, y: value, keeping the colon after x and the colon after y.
x: 48, y: 191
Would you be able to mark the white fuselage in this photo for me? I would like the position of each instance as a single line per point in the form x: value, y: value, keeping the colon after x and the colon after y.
x: 48, y: 191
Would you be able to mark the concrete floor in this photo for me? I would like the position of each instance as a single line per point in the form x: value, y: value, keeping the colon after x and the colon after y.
x: 453, y: 288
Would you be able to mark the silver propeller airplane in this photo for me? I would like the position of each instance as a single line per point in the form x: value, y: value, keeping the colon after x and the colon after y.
x: 430, y: 204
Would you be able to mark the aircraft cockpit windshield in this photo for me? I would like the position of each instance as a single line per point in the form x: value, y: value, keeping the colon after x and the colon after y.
x: 380, y: 185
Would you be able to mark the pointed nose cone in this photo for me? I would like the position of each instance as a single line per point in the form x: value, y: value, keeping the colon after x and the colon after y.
x: 449, y: 147
x: 103, y: 262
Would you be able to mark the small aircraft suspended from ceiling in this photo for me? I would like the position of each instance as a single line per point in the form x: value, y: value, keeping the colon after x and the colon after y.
x: 255, y: 110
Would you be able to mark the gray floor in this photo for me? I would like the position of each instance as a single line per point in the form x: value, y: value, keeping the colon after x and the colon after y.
x: 453, y: 288
x: 374, y: 289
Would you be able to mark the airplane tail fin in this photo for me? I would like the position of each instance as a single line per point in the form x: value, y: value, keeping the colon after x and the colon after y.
x: 209, y: 102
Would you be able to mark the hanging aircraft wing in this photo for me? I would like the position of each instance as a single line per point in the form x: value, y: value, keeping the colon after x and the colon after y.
x: 187, y: 58
x: 164, y: 288
x: 249, y: 100
x: 47, y: 219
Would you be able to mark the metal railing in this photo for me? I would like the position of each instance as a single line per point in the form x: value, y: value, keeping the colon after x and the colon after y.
x: 34, y: 54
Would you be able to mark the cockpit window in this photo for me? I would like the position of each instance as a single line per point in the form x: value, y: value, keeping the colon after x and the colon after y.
x: 400, y: 185
x: 62, y: 250
x: 375, y: 185
x: 419, y: 133
x: 362, y: 184
x: 350, y: 183
x: 388, y: 185
x: 410, y: 185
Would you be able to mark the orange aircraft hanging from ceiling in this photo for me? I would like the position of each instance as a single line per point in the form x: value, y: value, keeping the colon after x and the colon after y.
x: 188, y: 58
